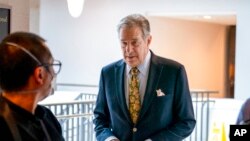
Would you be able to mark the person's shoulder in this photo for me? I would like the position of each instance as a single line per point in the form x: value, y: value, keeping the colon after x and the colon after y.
x: 49, y: 117
x: 44, y: 111
x: 248, y: 100
x: 43, y: 108
x: 246, y: 103
x: 113, y: 65
x: 46, y: 114
x: 168, y: 62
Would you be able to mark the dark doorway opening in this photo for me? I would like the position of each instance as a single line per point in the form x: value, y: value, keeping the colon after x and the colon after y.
x: 230, y: 61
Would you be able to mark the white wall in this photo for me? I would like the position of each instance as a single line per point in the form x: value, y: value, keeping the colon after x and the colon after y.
x: 242, y: 76
x: 34, y: 15
x: 77, y: 42
x: 83, y: 45
x: 199, y: 46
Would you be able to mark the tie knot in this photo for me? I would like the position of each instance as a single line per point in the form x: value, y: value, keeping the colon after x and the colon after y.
x: 134, y: 71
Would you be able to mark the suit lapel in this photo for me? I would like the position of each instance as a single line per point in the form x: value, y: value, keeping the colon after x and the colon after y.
x: 152, y: 82
x: 120, y: 93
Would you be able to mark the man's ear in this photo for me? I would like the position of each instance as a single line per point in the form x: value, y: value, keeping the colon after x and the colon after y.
x: 39, y: 75
x: 149, y: 39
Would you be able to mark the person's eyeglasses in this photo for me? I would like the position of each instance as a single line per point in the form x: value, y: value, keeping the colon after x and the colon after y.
x: 56, y: 66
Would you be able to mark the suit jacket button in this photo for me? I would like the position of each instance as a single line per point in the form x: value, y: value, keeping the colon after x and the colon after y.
x: 134, y: 129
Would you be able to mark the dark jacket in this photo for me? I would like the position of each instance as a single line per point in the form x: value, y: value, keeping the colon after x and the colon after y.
x: 20, y: 124
x: 244, y: 114
x: 162, y: 118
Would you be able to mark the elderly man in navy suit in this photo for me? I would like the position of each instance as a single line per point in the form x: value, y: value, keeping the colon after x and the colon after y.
x: 142, y: 97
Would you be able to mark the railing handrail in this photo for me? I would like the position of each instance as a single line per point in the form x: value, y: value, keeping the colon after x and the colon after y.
x: 203, y: 91
x: 76, y: 85
x: 69, y: 102
x: 96, y: 86
x: 74, y: 115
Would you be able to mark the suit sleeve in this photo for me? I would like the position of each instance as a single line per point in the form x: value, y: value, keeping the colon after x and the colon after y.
x: 184, y: 121
x: 101, y: 119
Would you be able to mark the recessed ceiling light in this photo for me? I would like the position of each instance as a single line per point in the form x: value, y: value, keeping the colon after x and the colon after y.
x: 207, y: 17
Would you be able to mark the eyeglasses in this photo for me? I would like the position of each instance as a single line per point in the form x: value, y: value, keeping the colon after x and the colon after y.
x: 56, y: 66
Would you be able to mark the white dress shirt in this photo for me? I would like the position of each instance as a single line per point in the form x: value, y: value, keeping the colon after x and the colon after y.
x: 143, y: 77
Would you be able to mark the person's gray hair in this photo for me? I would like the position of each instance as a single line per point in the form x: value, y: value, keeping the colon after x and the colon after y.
x: 135, y: 20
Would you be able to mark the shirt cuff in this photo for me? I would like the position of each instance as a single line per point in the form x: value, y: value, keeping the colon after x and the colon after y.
x: 110, y: 138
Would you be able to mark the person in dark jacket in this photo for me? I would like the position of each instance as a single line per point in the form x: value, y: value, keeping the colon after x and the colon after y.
x: 27, y: 70
x: 244, y: 114
x: 142, y: 97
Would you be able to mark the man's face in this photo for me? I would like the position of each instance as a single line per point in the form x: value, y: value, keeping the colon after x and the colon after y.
x: 134, y: 46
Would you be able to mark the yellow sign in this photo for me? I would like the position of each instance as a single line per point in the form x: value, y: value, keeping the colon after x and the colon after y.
x: 218, y: 132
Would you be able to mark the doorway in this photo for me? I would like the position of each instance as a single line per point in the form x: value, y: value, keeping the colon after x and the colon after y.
x: 230, y: 62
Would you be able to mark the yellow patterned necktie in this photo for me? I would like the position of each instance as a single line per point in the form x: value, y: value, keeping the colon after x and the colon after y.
x: 134, y: 95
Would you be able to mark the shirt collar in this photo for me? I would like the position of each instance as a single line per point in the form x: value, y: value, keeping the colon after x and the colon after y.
x: 143, y: 67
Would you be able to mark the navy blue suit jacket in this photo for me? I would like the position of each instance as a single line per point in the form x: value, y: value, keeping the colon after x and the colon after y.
x: 244, y: 114
x: 165, y: 118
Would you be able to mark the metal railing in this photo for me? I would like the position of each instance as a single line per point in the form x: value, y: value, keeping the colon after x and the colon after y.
x: 201, y: 104
x: 76, y: 117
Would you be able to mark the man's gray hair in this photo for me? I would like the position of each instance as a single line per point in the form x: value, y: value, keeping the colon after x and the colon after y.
x: 135, y: 20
